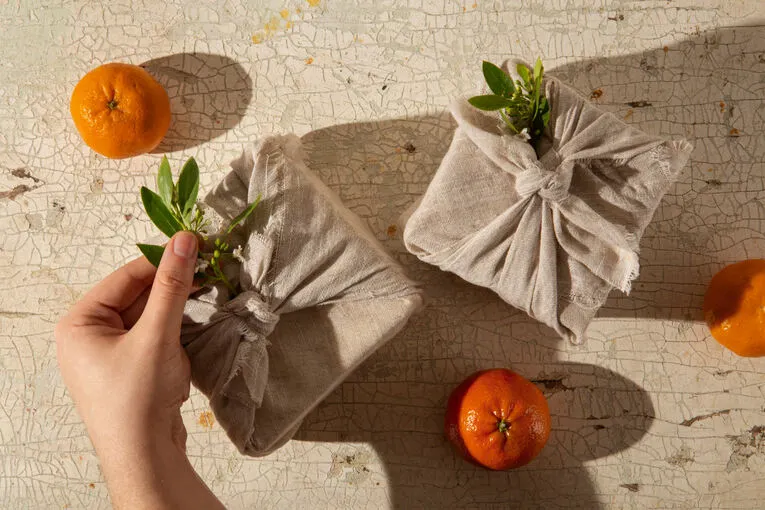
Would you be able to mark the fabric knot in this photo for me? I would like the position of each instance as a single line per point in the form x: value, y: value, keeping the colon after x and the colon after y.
x: 547, y: 177
x: 251, y: 307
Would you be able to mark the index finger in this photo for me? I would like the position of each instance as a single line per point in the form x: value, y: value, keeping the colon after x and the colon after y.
x: 121, y: 288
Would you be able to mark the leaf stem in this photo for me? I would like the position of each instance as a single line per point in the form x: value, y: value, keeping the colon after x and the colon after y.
x: 223, y: 278
x: 508, y: 121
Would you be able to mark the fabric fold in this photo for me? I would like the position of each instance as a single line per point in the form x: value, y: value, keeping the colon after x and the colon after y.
x: 551, y: 234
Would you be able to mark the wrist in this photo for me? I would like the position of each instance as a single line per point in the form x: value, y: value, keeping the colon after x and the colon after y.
x: 136, y: 470
x: 152, y: 471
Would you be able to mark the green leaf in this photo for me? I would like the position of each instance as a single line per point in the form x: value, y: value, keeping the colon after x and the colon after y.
x: 523, y: 72
x: 188, y: 186
x: 490, y: 102
x: 538, y: 70
x: 243, y: 215
x: 165, y: 182
x: 158, y: 212
x: 497, y: 80
x: 152, y: 252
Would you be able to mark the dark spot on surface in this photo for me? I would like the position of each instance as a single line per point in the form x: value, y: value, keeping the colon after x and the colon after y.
x: 632, y: 487
x: 722, y: 373
x: 392, y: 229
x: 645, y: 66
x: 349, y: 459
x: 552, y: 385
x: 59, y: 206
x: 734, y: 132
x: 16, y: 191
x: 384, y: 87
x: 714, y: 182
x: 128, y: 217
x: 598, y: 427
x: 596, y: 94
x: 365, y: 469
x: 92, y: 485
x: 348, y: 80
x: 23, y: 173
x: 618, y: 17
x: 691, y: 421
x: 410, y: 148
x: 638, y: 104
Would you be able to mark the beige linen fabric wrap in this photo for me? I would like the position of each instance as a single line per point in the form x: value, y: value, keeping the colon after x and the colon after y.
x: 319, y: 296
x: 551, y: 235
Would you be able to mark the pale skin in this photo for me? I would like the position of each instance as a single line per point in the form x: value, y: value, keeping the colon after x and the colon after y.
x: 120, y: 356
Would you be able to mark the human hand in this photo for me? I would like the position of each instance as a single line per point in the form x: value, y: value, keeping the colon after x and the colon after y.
x: 120, y: 356
x: 120, y: 353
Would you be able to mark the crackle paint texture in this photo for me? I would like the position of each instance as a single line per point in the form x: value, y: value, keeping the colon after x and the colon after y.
x: 649, y: 413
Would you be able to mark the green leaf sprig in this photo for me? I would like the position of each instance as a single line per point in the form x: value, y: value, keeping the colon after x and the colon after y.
x: 174, y: 208
x: 521, y: 105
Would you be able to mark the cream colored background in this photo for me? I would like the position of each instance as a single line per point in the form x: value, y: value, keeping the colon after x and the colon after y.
x: 650, y: 413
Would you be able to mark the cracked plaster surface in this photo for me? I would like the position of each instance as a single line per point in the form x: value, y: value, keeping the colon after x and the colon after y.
x: 649, y: 413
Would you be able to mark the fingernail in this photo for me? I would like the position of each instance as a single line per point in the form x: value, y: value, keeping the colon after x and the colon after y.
x: 185, y: 245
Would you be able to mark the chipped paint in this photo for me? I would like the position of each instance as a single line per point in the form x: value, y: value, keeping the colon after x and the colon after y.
x: 206, y: 420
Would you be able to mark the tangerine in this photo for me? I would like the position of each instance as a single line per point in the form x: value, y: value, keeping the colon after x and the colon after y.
x: 498, y: 419
x: 120, y: 110
x: 734, y: 307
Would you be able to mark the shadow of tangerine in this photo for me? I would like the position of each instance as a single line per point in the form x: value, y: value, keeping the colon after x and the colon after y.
x: 595, y: 412
x: 209, y: 95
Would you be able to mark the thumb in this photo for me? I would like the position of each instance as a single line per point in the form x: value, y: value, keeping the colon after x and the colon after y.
x: 164, y: 309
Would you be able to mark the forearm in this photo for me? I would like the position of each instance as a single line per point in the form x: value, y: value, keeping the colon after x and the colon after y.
x: 155, y: 475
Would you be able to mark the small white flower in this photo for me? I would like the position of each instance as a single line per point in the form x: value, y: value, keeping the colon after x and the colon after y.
x: 524, y: 135
x: 201, y: 265
x: 237, y: 253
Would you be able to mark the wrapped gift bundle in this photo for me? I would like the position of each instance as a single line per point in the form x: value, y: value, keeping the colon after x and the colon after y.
x: 550, y: 230
x: 319, y: 295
